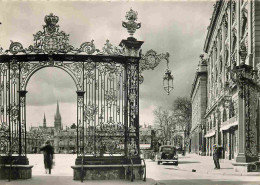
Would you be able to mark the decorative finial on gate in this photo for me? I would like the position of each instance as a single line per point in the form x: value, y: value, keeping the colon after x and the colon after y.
x: 51, y: 21
x: 131, y: 25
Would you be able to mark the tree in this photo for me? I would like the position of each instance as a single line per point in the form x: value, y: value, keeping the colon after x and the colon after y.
x: 165, y: 121
x: 182, y: 112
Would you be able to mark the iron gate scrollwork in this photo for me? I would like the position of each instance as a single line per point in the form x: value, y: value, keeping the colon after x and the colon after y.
x: 107, y: 87
x: 107, y: 108
x: 246, y: 79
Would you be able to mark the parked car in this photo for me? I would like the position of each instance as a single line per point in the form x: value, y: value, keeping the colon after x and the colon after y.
x: 168, y: 154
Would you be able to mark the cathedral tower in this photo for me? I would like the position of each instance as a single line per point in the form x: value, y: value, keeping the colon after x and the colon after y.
x: 57, y: 118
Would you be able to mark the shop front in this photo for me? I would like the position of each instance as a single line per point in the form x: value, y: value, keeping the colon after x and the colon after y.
x: 229, y: 132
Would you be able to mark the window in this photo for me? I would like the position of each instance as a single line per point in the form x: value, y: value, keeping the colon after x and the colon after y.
x: 224, y: 115
x: 231, y: 110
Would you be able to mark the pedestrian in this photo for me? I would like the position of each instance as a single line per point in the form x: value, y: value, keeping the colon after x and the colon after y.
x: 216, y: 156
x: 48, y: 155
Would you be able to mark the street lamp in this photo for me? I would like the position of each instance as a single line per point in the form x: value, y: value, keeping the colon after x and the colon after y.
x: 150, y: 61
x: 168, y: 80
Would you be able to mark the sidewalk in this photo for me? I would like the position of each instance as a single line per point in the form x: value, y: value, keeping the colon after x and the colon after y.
x: 205, y: 164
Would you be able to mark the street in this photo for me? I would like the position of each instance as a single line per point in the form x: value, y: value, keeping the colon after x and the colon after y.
x: 156, y: 174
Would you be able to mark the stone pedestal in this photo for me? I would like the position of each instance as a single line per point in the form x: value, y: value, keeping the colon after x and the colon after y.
x: 16, y: 172
x: 108, y: 172
x: 107, y: 168
x: 246, y: 167
x: 15, y: 167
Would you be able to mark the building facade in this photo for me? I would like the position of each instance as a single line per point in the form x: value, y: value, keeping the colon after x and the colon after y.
x: 37, y: 136
x: 199, y: 105
x: 65, y: 141
x: 233, y: 48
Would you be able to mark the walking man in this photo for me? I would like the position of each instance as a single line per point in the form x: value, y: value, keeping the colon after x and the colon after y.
x: 216, y: 156
x: 48, y: 156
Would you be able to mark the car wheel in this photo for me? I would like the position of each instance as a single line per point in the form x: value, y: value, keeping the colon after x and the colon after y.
x: 176, y: 163
x: 158, y: 162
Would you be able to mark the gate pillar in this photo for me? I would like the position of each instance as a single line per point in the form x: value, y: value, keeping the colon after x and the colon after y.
x: 16, y: 166
x: 247, y: 109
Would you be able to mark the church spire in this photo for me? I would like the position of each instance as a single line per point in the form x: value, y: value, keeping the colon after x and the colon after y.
x: 57, y: 115
x: 44, y: 121
x: 57, y: 118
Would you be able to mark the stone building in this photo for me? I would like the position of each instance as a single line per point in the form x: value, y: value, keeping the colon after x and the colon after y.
x: 145, y: 134
x: 199, y: 103
x: 37, y: 136
x: 233, y: 48
x: 65, y: 141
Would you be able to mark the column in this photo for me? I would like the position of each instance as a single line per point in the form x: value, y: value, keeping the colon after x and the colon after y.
x: 131, y: 116
x: 241, y: 131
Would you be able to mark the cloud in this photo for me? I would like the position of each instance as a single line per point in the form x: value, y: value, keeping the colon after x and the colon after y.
x: 48, y: 85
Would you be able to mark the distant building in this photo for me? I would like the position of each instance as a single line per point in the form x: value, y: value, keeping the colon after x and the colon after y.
x: 57, y: 123
x: 37, y: 136
x: 65, y: 141
x: 145, y: 134
x: 145, y: 139
x: 199, y: 105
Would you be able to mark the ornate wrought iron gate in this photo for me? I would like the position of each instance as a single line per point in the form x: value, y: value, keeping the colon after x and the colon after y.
x: 107, y: 87
x: 107, y: 83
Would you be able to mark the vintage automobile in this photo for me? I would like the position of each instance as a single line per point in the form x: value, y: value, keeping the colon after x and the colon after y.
x: 168, y: 154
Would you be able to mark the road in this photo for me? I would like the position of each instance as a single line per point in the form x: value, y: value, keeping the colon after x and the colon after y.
x: 156, y: 174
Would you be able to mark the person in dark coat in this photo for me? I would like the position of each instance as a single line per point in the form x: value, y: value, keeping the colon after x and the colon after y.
x: 216, y: 156
x: 48, y: 154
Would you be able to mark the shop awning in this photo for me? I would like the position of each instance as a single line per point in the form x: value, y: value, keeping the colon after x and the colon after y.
x: 226, y: 127
x: 212, y: 133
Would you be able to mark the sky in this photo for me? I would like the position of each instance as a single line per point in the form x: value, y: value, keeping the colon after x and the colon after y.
x: 177, y: 27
